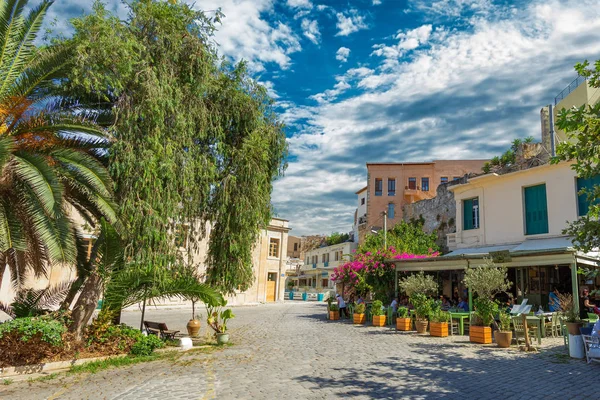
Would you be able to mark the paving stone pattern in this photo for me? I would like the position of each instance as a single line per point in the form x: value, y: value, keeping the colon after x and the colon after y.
x: 290, y: 351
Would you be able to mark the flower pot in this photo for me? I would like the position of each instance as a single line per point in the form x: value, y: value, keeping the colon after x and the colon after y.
x: 358, y: 318
x: 480, y: 334
x: 334, y: 315
x: 403, y: 324
x: 222, y: 338
x: 421, y: 325
x: 503, y: 339
x: 193, y: 327
x: 439, y: 329
x: 378, y: 320
x: 573, y: 328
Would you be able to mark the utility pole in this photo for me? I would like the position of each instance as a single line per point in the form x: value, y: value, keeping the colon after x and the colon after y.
x: 384, y: 213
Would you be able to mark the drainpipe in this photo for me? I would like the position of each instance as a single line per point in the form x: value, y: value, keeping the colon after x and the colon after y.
x: 552, y: 134
x: 575, y: 285
x: 277, y: 282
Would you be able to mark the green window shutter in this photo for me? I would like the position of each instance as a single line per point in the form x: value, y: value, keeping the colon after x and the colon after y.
x: 582, y: 200
x: 536, y: 210
x: 467, y: 214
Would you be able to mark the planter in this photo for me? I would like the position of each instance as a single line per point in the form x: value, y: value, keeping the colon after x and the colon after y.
x: 222, y: 338
x: 378, y: 320
x: 193, y: 327
x: 573, y: 328
x: 421, y: 325
x: 358, y: 318
x: 439, y: 329
x: 480, y: 334
x: 403, y: 324
x: 503, y: 339
x: 334, y: 315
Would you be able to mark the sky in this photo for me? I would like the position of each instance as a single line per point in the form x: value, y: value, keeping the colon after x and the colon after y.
x: 393, y: 80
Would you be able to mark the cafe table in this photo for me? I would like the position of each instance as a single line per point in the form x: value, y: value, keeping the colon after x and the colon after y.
x: 460, y: 316
x: 541, y: 326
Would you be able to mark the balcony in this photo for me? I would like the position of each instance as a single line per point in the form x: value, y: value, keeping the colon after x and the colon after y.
x: 572, y: 86
x: 414, y: 193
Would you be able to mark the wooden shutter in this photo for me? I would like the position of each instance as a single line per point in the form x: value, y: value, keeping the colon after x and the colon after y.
x: 536, y: 210
x: 583, y: 205
x: 467, y: 214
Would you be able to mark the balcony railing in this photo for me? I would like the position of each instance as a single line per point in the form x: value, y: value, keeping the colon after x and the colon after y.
x: 572, y: 86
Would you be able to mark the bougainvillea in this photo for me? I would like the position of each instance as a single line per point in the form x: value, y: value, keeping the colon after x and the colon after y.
x: 373, y: 271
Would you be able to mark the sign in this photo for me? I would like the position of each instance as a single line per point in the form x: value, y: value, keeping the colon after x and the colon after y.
x: 500, y: 257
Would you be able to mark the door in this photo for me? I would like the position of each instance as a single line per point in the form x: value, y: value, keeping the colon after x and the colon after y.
x: 271, y: 287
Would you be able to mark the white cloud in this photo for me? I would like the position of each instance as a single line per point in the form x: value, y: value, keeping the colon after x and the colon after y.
x: 376, y: 2
x: 461, y: 94
x: 311, y: 30
x: 299, y: 4
x: 342, y: 54
x: 350, y: 22
x: 407, y: 41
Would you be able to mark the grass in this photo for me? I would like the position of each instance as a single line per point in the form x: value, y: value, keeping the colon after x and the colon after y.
x: 44, y: 378
x: 7, y: 381
x: 95, y: 366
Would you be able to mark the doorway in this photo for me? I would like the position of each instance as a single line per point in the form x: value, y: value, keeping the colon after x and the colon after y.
x: 271, y: 286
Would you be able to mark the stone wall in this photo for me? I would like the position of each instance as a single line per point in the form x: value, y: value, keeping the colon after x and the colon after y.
x: 438, y: 214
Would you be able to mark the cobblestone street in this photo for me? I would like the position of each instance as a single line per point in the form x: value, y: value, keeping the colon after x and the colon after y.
x: 289, y: 351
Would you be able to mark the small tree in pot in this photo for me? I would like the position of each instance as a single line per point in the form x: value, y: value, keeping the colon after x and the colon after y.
x: 504, y: 335
x: 486, y: 281
x: 569, y: 313
x: 359, y: 313
x: 403, y: 322
x: 217, y: 319
x: 334, y: 312
x: 438, y: 323
x: 378, y: 313
x: 418, y: 287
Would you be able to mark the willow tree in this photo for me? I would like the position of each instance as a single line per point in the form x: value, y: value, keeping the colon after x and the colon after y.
x: 196, y: 140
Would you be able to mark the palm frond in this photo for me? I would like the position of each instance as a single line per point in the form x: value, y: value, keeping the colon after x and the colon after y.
x: 6, y: 148
x: 85, y: 169
x: 35, y: 172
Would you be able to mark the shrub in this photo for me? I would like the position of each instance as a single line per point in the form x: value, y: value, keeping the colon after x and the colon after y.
x: 504, y: 321
x: 439, y: 316
x: 419, y: 283
x: 377, y: 308
x: 485, y: 309
x: 568, y: 307
x: 46, y: 330
x: 145, y: 345
x: 360, y: 308
x: 421, y: 304
x: 402, y: 312
x: 334, y: 307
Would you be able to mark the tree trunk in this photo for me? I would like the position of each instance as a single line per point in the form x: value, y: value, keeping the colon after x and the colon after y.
x: 86, y: 304
x: 75, y: 286
x: 2, y: 269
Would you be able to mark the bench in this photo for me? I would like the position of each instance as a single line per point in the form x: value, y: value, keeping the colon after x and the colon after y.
x: 160, y: 329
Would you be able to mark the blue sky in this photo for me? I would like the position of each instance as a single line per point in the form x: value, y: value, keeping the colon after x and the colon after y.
x: 394, y: 80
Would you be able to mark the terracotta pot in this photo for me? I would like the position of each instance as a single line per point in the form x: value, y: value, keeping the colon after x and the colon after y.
x: 403, y: 324
x: 334, y: 315
x: 503, y: 339
x: 358, y: 318
x: 222, y: 338
x: 421, y: 325
x: 573, y: 327
x: 378, y: 320
x: 480, y: 334
x: 193, y: 327
x: 439, y: 329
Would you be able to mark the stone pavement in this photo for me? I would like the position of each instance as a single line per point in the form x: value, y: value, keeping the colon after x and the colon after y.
x: 289, y: 351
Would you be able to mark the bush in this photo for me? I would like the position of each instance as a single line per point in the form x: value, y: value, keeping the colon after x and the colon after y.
x: 485, y: 309
x: 419, y: 283
x: 402, y: 312
x: 421, y: 304
x: 360, y: 308
x: 145, y: 345
x: 334, y: 307
x: 505, y: 319
x: 47, y: 330
x: 439, y: 316
x: 377, y: 308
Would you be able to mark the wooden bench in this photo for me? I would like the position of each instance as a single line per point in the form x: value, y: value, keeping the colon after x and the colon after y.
x: 160, y: 329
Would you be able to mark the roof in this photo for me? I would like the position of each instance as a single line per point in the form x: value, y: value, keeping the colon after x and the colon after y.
x: 361, y: 190
x: 422, y: 162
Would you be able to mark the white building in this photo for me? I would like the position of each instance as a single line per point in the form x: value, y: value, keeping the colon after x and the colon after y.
x: 360, y: 214
x: 319, y: 264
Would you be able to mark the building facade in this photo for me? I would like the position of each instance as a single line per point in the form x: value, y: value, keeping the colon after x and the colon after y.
x: 319, y: 264
x: 360, y: 216
x: 393, y: 185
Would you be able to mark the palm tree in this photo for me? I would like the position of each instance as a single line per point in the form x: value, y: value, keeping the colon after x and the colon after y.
x: 50, y: 152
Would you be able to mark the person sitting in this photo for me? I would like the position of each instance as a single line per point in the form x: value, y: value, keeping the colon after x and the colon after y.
x: 553, y: 301
x: 463, y: 305
x: 445, y: 303
x: 584, y: 304
x: 360, y: 300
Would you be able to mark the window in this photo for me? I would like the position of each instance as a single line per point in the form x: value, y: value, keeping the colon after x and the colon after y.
x: 391, y: 187
x: 412, y: 183
x: 295, y: 246
x: 536, y: 210
x: 325, y: 258
x: 378, y: 186
x: 324, y: 282
x: 444, y: 179
x: 583, y: 205
x: 471, y: 214
x: 425, y: 184
x: 390, y: 212
x: 362, y: 201
x: 273, y: 247
x: 337, y: 256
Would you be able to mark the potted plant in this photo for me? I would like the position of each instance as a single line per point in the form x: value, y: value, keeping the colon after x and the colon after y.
x: 438, y: 323
x: 422, y: 307
x: 334, y: 312
x: 503, y: 336
x: 569, y: 313
x: 403, y: 321
x: 217, y: 319
x: 486, y: 281
x: 378, y: 313
x: 193, y: 325
x: 359, y: 313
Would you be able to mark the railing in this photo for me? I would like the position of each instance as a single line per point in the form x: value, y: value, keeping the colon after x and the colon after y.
x: 572, y: 86
x: 326, y: 264
x: 314, y: 265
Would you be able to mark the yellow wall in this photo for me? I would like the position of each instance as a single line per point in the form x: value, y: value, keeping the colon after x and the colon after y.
x: 502, y: 208
x: 583, y: 94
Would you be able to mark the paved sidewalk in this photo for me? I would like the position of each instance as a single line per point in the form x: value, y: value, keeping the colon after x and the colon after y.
x: 289, y: 351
